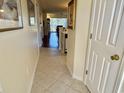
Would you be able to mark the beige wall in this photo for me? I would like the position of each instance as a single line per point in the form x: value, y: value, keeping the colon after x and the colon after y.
x: 18, y: 57
x: 77, y: 43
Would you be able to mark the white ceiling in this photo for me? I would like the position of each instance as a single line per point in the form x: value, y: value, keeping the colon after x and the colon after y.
x: 54, y: 5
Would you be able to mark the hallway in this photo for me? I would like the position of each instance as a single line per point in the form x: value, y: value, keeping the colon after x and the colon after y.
x: 52, y: 75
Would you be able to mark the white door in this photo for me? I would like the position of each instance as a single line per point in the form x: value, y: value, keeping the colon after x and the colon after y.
x: 106, y: 45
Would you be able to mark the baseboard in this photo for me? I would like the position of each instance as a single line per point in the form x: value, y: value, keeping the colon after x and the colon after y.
x: 77, y: 78
x: 32, y: 78
x: 69, y: 69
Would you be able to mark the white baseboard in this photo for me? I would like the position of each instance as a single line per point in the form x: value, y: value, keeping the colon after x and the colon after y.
x: 69, y: 69
x: 78, y: 78
x: 33, y: 75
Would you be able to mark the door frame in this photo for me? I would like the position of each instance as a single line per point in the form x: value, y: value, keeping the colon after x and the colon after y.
x: 88, y: 47
x: 120, y: 76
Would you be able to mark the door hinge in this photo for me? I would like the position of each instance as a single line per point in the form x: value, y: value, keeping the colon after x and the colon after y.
x: 86, y: 72
x: 91, y: 35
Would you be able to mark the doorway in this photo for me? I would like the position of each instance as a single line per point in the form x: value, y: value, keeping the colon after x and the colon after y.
x: 53, y: 24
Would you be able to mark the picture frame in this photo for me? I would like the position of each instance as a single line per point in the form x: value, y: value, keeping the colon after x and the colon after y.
x: 31, y: 13
x: 10, y: 15
x: 71, y: 14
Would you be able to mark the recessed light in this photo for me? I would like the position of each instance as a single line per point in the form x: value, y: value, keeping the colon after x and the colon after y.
x: 1, y: 10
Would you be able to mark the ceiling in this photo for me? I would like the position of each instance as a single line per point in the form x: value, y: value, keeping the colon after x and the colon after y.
x: 54, y: 5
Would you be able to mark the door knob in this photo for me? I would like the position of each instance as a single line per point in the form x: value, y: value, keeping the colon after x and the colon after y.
x: 115, y: 57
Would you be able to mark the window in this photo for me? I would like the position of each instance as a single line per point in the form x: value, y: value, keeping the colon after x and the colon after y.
x: 54, y: 22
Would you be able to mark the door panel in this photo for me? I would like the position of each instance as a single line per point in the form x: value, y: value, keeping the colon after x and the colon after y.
x: 100, y: 19
x: 116, y: 24
x: 106, y: 26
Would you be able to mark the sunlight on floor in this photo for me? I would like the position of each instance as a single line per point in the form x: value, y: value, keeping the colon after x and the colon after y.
x: 52, y: 75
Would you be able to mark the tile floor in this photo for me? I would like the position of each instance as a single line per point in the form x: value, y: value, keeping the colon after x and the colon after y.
x: 52, y: 76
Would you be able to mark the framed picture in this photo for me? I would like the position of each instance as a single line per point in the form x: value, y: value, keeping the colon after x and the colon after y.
x: 31, y: 13
x: 10, y: 15
x: 71, y: 14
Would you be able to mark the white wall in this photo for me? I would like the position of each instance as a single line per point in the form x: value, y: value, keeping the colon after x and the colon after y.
x: 18, y: 57
x: 79, y: 42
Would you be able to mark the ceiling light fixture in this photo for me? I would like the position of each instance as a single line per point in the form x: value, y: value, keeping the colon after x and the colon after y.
x: 1, y: 10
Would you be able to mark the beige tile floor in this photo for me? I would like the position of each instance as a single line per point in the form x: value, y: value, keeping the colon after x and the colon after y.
x: 52, y: 76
